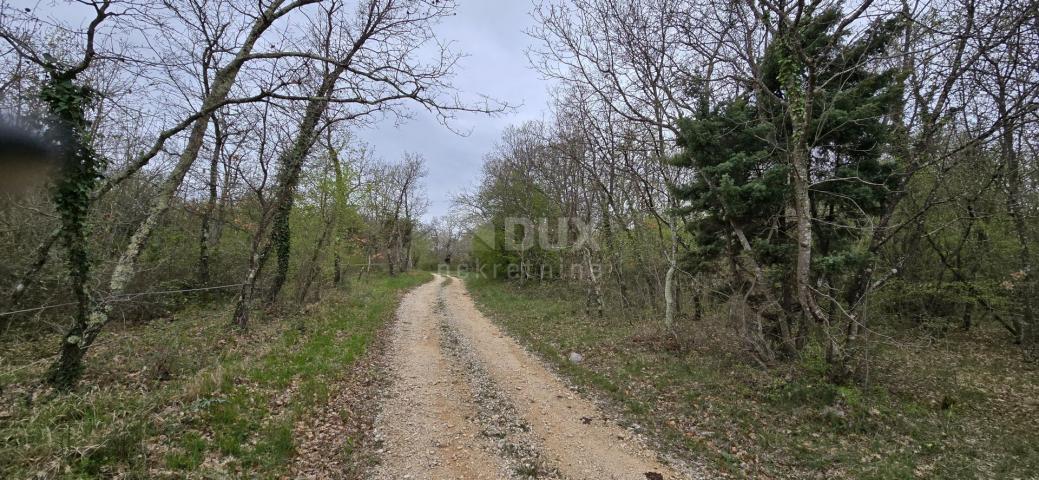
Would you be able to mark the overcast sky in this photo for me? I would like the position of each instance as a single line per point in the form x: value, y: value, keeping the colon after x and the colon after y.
x: 491, y: 33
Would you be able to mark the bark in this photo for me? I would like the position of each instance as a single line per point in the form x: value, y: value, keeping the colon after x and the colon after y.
x: 337, y: 270
x: 40, y: 256
x: 338, y: 211
x: 312, y: 265
x: 391, y: 241
x: 257, y: 261
x: 395, y: 233
x: 367, y: 267
x: 66, y: 372
x: 288, y: 178
x: 1026, y: 323
x: 798, y: 93
x: 81, y: 167
x: 669, y: 286
x: 80, y: 164
x: 281, y: 237
x: 206, y: 239
x: 772, y: 306
x: 612, y: 253
x: 595, y: 298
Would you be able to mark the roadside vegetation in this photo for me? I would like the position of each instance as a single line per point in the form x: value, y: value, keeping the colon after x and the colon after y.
x: 189, y: 394
x: 949, y: 405
x: 796, y: 239
x: 789, y: 239
x: 206, y: 146
x: 196, y: 245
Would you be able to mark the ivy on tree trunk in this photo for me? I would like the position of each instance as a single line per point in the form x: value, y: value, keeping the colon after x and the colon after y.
x: 80, y: 171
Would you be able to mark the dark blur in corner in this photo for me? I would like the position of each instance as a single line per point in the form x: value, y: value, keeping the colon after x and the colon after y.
x: 26, y: 159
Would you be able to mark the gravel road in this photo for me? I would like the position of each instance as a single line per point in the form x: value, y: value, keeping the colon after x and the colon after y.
x: 467, y: 401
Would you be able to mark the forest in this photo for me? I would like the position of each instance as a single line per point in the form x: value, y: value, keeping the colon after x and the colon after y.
x: 790, y: 171
x: 773, y: 238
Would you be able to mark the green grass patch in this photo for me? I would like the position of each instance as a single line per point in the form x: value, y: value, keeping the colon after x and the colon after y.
x: 189, y: 395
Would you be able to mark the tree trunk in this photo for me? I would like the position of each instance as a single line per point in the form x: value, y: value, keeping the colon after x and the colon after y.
x: 595, y: 298
x: 1025, y: 325
x: 256, y: 263
x: 798, y: 94
x: 339, y: 206
x: 206, y: 235
x: 312, y: 265
x: 669, y: 296
x: 80, y: 170
x: 337, y: 271
x: 288, y: 177
x: 281, y: 237
x: 40, y: 256
x: 70, y: 358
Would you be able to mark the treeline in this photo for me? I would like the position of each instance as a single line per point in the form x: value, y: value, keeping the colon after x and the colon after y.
x: 204, y: 147
x: 809, y: 170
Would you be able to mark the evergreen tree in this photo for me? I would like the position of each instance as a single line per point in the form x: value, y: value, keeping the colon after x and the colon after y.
x: 821, y: 95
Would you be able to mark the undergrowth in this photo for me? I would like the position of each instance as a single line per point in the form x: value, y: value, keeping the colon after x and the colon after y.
x: 962, y: 406
x: 187, y: 395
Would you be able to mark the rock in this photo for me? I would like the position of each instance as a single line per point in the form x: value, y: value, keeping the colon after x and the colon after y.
x: 576, y: 357
x: 833, y: 413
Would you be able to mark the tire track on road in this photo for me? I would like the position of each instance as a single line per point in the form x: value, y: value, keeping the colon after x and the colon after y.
x: 468, y: 402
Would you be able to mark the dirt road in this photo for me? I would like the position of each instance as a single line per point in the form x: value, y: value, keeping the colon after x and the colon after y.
x: 468, y: 402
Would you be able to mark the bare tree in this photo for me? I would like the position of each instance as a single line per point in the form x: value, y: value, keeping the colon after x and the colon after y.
x: 368, y: 56
x: 86, y: 328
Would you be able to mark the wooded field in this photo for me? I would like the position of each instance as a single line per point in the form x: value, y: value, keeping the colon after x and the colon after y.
x: 810, y: 170
x: 814, y: 196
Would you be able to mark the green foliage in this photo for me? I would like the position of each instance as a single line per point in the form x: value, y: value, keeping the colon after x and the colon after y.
x: 191, y: 455
x: 494, y: 246
x: 917, y: 302
x: 81, y: 165
x: 825, y: 98
x: 739, y: 180
x: 81, y: 169
x: 222, y: 398
x: 310, y: 359
x: 737, y: 149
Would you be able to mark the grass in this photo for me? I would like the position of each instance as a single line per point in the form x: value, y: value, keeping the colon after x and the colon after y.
x: 961, y: 406
x: 186, y: 396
